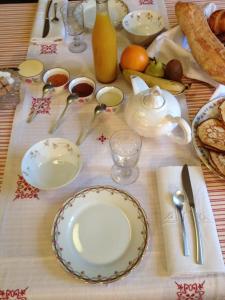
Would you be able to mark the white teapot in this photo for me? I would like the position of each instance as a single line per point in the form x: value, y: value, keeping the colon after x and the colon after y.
x: 153, y: 112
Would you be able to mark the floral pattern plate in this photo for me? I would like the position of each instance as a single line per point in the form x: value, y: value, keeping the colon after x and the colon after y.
x: 209, y: 110
x: 100, y: 234
x: 117, y: 11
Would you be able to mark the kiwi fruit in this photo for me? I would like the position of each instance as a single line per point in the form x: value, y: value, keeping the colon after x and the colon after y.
x: 174, y: 70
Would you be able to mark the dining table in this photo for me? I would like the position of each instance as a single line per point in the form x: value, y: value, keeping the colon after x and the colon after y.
x: 16, y: 23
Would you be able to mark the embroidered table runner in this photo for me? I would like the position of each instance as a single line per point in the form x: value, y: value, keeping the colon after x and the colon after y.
x: 27, y: 260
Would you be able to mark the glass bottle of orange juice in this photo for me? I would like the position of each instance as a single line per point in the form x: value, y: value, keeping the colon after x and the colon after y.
x: 104, y: 44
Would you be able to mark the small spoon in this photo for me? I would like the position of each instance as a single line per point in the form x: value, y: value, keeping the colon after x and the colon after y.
x: 46, y: 88
x: 98, y: 110
x: 55, y: 19
x: 71, y: 98
x: 178, y: 200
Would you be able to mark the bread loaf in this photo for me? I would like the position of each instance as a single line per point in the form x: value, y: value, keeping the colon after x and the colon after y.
x: 217, y: 21
x: 208, y: 51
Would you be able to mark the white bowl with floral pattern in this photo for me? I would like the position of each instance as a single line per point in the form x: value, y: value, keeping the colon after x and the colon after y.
x: 51, y: 163
x: 142, y: 26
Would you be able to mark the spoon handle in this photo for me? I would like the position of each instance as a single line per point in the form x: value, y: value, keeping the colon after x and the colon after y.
x: 184, y: 234
x: 83, y: 134
x: 33, y: 113
x: 56, y: 124
x: 55, y: 10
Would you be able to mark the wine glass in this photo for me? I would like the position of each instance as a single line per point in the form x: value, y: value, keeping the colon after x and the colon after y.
x: 125, y: 148
x: 72, y: 14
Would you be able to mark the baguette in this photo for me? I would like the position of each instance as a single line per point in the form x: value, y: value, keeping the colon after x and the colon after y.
x: 208, y: 51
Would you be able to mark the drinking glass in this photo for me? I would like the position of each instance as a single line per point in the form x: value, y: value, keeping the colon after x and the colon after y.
x: 125, y: 148
x: 72, y: 14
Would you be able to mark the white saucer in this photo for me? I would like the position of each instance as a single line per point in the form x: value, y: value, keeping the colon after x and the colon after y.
x: 100, y: 234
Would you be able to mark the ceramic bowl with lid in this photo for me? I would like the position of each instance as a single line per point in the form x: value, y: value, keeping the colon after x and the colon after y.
x: 142, y: 26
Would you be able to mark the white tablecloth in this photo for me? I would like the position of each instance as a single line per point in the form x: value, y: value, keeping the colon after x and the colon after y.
x: 27, y: 262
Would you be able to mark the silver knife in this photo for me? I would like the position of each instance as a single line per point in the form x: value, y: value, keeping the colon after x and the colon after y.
x: 189, y: 193
x: 46, y: 23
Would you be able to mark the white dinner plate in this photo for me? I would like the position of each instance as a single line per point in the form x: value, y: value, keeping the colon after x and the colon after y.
x: 209, y: 110
x: 117, y: 11
x: 100, y: 234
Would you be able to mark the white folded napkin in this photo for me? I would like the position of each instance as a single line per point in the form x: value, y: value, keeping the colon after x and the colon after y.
x: 169, y: 181
x: 56, y: 31
x: 219, y: 92
x: 172, y: 44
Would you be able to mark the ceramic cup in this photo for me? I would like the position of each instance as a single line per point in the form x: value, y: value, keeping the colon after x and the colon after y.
x: 58, y: 77
x: 84, y: 87
x: 111, y: 96
x: 31, y: 70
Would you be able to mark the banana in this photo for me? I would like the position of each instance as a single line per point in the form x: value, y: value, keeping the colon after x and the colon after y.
x: 173, y: 87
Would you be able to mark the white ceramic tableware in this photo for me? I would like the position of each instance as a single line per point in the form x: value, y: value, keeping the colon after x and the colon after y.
x: 100, y: 234
x: 111, y: 96
x: 86, y: 92
x: 51, y: 163
x: 209, y: 110
x: 117, y: 10
x: 31, y: 70
x: 153, y: 112
x: 52, y: 76
x: 142, y: 26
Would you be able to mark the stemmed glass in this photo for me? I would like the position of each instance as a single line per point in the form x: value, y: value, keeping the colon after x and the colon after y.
x: 125, y: 148
x: 72, y: 14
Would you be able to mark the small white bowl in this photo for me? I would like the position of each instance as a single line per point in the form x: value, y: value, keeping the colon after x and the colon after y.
x: 142, y: 26
x: 54, y: 72
x: 51, y: 164
x: 111, y: 96
x: 80, y: 80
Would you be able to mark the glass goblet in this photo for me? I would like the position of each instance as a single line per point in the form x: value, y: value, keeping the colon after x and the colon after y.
x: 73, y: 19
x: 125, y: 148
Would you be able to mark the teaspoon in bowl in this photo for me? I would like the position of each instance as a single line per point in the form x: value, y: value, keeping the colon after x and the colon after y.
x: 71, y: 98
x: 46, y: 88
x: 178, y: 201
x: 98, y: 110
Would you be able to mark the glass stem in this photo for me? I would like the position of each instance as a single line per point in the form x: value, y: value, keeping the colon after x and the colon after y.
x: 76, y: 40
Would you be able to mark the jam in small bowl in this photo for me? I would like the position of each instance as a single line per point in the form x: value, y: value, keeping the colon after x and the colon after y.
x: 84, y: 87
x: 58, y: 78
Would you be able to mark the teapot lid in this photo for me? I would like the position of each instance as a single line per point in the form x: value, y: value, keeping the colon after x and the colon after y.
x: 153, y: 98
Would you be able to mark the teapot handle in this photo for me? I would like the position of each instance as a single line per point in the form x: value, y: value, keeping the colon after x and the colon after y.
x: 185, y: 127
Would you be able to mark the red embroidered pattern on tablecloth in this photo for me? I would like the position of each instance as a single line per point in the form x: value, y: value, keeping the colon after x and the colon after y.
x: 141, y: 2
x: 24, y: 190
x: 44, y: 108
x: 193, y: 291
x: 13, y: 294
x: 48, y: 49
x: 102, y: 138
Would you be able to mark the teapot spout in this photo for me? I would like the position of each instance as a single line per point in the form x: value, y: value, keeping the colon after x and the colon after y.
x: 138, y: 84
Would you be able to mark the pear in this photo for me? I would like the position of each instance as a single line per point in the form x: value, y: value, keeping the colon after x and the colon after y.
x: 155, y: 68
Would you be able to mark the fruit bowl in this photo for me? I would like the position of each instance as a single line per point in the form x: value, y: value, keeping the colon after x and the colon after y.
x: 142, y: 26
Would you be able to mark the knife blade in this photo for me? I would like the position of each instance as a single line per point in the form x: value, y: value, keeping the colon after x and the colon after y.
x: 189, y: 193
x: 46, y: 22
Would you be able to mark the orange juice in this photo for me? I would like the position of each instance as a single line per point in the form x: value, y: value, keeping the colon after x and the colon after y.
x: 104, y: 45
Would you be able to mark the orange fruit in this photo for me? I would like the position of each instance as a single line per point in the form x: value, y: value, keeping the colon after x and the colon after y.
x: 135, y: 58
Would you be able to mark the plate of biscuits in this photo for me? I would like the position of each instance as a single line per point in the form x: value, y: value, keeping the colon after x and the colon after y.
x: 208, y: 128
